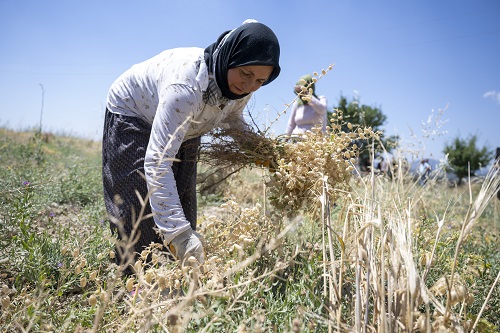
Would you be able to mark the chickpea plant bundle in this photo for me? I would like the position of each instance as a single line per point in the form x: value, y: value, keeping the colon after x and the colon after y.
x: 299, y: 167
x: 306, y: 164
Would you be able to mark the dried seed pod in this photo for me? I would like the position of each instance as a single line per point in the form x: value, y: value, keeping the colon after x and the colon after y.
x: 5, y: 289
x: 5, y: 302
x: 461, y: 292
x: 454, y: 298
x: 138, y: 266
x: 148, y: 277
x: 154, y: 258
x: 104, y: 297
x: 92, y: 300
x: 130, y: 284
x: 177, y: 284
x: 83, y: 262
x: 162, y: 283
x: 440, y: 287
x: 83, y: 282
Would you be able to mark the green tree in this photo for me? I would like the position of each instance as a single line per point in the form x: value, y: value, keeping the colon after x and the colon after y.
x: 462, y: 153
x: 366, y: 116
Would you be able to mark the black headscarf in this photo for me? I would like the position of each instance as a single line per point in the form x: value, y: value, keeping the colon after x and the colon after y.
x: 251, y: 44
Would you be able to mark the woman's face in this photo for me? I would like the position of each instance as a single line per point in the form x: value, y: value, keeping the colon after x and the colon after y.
x: 247, y: 79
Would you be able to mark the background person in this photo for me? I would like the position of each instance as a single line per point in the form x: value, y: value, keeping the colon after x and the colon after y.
x: 155, y: 114
x: 383, y: 165
x: 424, y: 171
x: 307, y: 114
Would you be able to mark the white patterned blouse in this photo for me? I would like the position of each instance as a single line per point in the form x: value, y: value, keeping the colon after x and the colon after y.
x: 174, y: 93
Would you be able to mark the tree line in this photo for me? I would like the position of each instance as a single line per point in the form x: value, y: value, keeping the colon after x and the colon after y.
x: 463, y: 153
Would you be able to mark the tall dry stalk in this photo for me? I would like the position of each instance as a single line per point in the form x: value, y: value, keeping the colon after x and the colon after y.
x: 378, y: 239
x: 489, y: 189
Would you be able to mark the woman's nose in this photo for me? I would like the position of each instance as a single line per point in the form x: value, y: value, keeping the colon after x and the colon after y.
x: 251, y: 86
x: 255, y: 87
x: 246, y: 85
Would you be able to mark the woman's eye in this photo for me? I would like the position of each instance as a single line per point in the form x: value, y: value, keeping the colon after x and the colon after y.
x: 245, y: 73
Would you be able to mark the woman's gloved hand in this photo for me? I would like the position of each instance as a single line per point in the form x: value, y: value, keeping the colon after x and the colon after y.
x: 188, y: 244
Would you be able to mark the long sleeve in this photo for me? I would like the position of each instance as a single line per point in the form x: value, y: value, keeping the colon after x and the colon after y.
x: 305, y: 116
x: 177, y: 107
x: 319, y: 104
x: 291, y: 120
x: 180, y: 112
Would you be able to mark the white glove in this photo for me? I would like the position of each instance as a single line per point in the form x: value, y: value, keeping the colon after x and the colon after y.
x: 187, y: 244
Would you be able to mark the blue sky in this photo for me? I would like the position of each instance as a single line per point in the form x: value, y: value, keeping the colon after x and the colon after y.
x: 419, y: 61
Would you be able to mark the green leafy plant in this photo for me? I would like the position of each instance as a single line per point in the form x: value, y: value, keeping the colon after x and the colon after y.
x: 464, y: 156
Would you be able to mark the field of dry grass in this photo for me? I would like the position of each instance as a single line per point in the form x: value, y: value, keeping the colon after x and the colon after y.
x: 343, y: 253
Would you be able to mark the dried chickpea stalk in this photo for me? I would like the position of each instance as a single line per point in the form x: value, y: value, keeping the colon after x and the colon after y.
x: 297, y: 165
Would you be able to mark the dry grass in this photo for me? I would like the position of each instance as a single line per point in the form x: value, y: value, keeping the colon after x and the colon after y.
x: 301, y: 242
x: 376, y: 277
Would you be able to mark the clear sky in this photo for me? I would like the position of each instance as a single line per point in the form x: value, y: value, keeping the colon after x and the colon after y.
x: 414, y: 59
